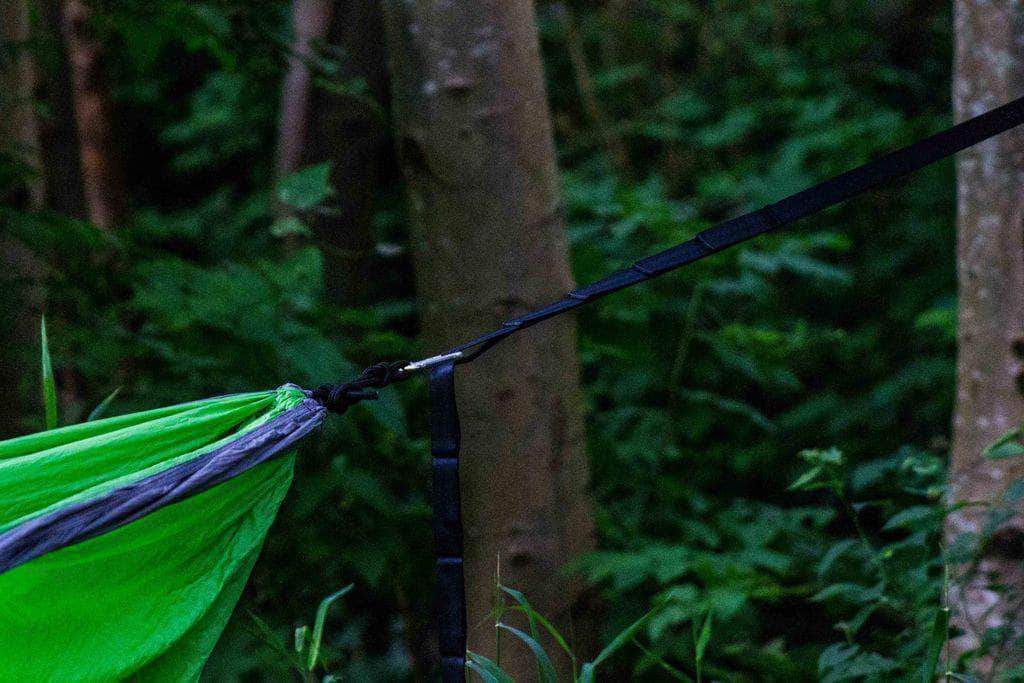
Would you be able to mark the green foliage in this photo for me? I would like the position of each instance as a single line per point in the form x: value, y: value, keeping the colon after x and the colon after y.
x: 491, y: 670
x: 306, y: 188
x: 766, y: 429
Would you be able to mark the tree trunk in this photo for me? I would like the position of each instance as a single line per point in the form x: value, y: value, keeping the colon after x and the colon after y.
x: 17, y: 103
x: 58, y: 136
x: 21, y: 270
x: 310, y: 22
x: 476, y: 148
x: 347, y: 129
x: 102, y: 178
x: 990, y: 370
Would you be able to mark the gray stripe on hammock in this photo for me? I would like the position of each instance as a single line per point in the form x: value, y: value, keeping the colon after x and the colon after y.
x: 90, y: 518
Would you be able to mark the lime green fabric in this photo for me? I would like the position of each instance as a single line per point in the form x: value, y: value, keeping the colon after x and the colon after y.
x: 146, y: 601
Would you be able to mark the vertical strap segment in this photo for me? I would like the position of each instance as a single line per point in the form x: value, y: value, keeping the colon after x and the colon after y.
x: 450, y: 588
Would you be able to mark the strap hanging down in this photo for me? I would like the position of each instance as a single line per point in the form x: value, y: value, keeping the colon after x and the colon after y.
x: 450, y: 589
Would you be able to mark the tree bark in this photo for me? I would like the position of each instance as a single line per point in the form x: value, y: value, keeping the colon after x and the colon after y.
x: 21, y: 270
x: 989, y: 71
x: 310, y: 22
x: 324, y: 124
x: 17, y: 103
x: 475, y: 145
x: 102, y: 176
x: 58, y: 132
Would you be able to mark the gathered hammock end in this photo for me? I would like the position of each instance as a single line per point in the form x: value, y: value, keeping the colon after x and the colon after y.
x: 140, y: 531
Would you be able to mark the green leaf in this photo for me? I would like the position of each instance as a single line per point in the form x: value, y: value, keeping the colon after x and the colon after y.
x: 49, y: 383
x: 307, y: 187
x: 702, y: 643
x: 318, y: 626
x: 301, y: 638
x: 851, y: 626
x: 545, y: 668
x: 484, y: 674
x: 486, y: 669
x: 817, y: 456
x: 536, y: 618
x: 907, y: 517
x: 589, y: 670
x: 936, y: 643
x: 1014, y: 492
x: 1008, y: 446
x: 289, y: 226
x: 807, y: 480
x: 100, y: 410
x: 851, y: 592
x: 843, y: 662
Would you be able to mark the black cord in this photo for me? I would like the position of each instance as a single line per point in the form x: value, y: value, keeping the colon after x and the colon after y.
x: 339, y: 397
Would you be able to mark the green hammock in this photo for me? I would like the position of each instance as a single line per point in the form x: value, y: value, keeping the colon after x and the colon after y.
x: 125, y: 542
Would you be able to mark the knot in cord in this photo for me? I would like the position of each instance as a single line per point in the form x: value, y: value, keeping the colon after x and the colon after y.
x: 337, y: 398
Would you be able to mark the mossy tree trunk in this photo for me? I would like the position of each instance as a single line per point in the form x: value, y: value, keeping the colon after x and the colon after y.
x: 475, y: 145
x: 989, y: 71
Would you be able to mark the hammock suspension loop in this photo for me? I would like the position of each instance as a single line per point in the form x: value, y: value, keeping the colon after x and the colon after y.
x: 450, y: 586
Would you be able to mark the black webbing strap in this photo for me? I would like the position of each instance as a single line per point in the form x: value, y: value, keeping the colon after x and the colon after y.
x: 444, y: 422
x: 450, y: 590
x: 782, y: 213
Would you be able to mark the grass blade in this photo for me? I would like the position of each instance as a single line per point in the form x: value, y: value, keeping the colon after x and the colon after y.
x: 701, y: 643
x: 486, y: 669
x: 318, y: 626
x: 660, y: 661
x: 49, y: 383
x: 100, y: 410
x: 545, y: 667
x: 589, y: 670
x: 936, y: 643
x: 623, y: 638
x: 535, y: 618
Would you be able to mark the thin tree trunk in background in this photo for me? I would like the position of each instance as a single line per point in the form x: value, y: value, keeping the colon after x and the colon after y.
x: 17, y: 102
x: 311, y: 20
x: 989, y: 71
x: 21, y: 271
x: 475, y: 144
x: 58, y: 137
x: 345, y: 128
x: 102, y: 177
x: 613, y: 144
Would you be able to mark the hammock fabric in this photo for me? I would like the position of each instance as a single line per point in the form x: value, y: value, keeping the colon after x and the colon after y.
x: 125, y: 543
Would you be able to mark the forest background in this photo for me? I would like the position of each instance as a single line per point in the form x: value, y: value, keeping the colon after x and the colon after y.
x: 209, y: 197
